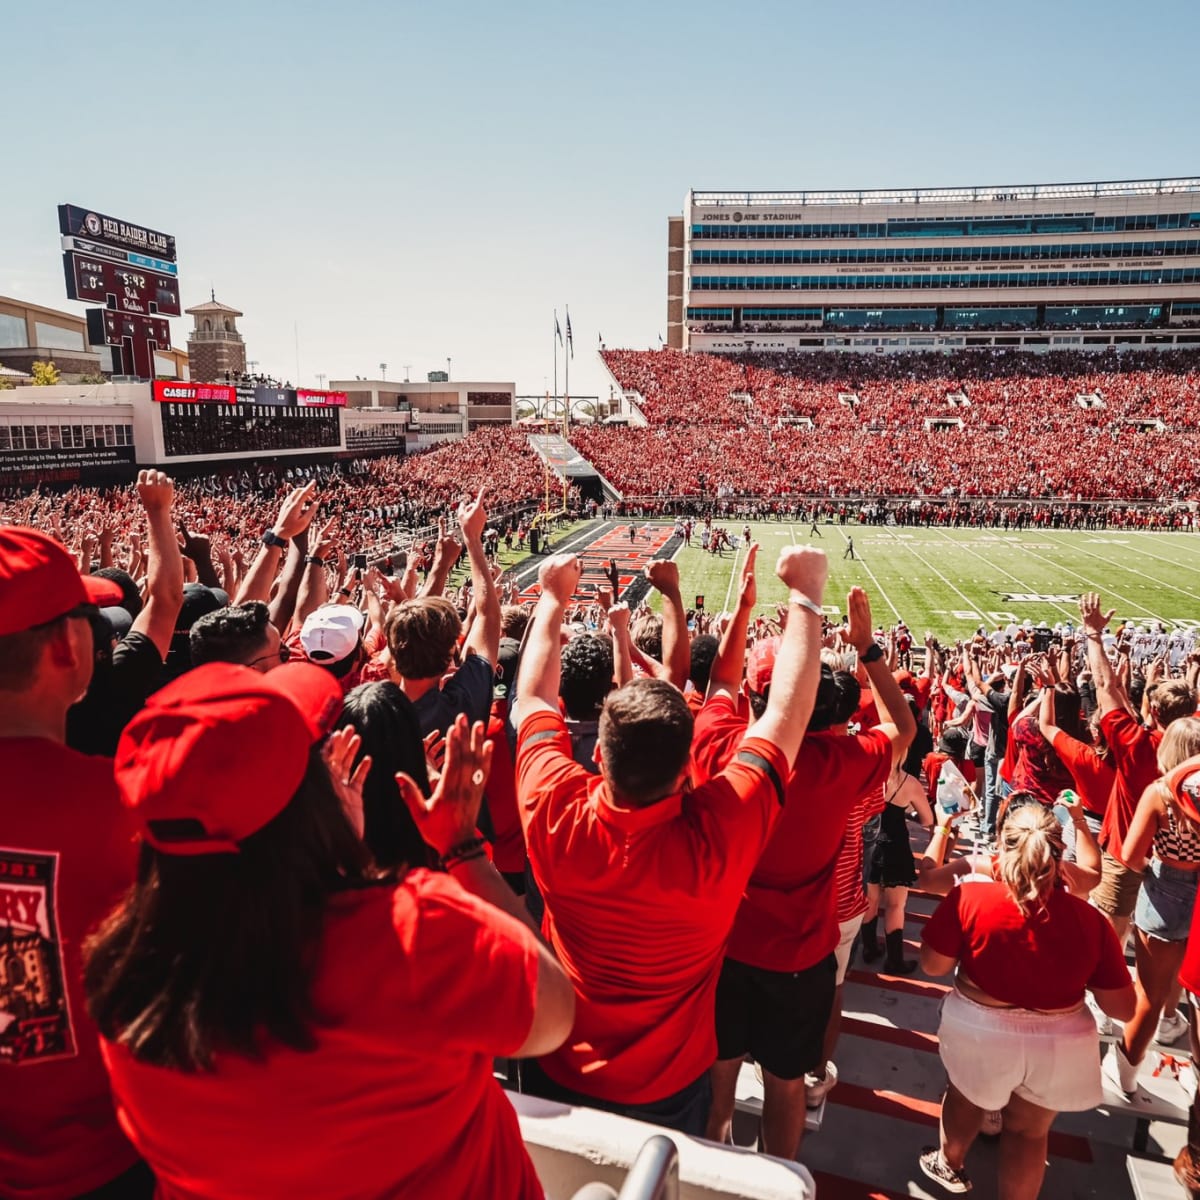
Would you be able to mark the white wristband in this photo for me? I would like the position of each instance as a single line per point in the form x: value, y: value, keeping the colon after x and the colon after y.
x: 805, y: 602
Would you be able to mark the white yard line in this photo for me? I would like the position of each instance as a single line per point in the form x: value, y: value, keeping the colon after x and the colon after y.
x: 1104, y: 589
x: 1108, y: 562
x: 875, y: 582
x: 995, y: 567
x: 1171, y: 562
x: 971, y: 604
x: 732, y: 577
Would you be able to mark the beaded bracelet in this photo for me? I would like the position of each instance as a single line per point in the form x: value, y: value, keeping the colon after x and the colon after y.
x: 464, y: 852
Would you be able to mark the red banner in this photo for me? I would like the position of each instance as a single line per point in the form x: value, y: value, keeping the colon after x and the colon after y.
x: 311, y: 399
x: 193, y: 393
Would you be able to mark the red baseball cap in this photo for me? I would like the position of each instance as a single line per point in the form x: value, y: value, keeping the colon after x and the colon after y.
x: 760, y: 663
x: 219, y: 752
x: 1184, y: 784
x: 40, y: 581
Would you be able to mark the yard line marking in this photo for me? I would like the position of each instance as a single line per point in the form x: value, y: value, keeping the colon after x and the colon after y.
x: 1145, y: 533
x: 878, y: 586
x: 1134, y: 571
x: 921, y: 558
x: 995, y: 567
x: 732, y: 577
x: 1102, y: 588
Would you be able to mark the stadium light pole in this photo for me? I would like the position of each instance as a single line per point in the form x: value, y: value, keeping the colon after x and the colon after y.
x: 383, y: 371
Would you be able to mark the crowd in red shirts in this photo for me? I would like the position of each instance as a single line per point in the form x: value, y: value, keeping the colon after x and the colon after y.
x: 995, y: 423
x: 297, y: 854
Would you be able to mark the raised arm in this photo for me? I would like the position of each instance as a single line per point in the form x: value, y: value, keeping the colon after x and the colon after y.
x: 618, y: 623
x: 484, y: 636
x: 798, y: 663
x: 540, y: 671
x: 897, y: 722
x: 164, y: 581
x: 730, y: 662
x: 664, y: 578
x: 293, y: 516
x: 1109, y: 693
x: 445, y: 554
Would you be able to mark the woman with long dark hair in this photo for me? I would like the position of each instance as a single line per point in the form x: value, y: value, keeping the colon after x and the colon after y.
x: 1015, y: 1035
x: 278, y: 1018
x: 386, y: 721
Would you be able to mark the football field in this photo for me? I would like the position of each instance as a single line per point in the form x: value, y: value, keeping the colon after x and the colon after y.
x: 950, y: 581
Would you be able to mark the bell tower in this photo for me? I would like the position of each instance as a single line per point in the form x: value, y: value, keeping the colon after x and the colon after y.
x: 214, y: 345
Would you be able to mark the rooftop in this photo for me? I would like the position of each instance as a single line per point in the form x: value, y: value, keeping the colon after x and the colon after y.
x: 951, y: 195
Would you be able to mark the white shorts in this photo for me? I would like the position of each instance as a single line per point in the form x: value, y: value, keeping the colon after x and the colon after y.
x: 991, y: 1054
x: 849, y: 931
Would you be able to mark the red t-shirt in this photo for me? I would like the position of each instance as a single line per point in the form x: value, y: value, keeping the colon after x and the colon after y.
x: 639, y: 904
x: 1133, y: 750
x: 1045, y: 959
x: 932, y: 766
x: 1093, y: 775
x: 788, y: 920
x: 418, y: 987
x: 68, y: 850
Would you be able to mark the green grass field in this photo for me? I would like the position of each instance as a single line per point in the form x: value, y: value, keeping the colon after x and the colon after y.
x: 950, y: 581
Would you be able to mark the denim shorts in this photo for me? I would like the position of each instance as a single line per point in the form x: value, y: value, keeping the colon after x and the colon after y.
x: 1165, y: 903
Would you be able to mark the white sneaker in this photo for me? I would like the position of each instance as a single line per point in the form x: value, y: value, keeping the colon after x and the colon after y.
x: 1119, y: 1070
x: 1104, y: 1025
x: 817, y: 1088
x: 1172, y: 1028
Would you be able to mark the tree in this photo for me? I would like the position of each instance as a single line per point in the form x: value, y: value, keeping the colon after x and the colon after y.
x: 93, y: 377
x: 45, y: 374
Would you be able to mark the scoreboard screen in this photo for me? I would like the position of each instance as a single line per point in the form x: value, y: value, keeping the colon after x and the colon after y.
x: 191, y: 428
x: 133, y: 290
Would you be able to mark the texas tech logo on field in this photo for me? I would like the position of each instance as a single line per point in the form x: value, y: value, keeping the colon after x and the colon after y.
x: 1039, y: 597
x: 35, y: 1020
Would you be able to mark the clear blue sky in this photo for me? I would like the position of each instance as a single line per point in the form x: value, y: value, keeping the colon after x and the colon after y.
x: 404, y: 182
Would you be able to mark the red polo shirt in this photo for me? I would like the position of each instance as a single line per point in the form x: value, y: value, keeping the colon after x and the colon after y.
x: 787, y: 920
x: 1134, y: 753
x: 639, y: 903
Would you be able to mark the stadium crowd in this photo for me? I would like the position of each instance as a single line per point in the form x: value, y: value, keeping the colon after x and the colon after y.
x: 289, y: 856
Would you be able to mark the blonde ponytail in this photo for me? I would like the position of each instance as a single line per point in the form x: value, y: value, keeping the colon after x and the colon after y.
x: 1031, y: 846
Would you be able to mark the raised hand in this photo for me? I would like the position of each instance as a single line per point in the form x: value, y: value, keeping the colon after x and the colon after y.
x: 803, y: 569
x: 472, y: 517
x: 618, y: 617
x: 858, y: 628
x: 448, y: 817
x: 663, y: 575
x: 297, y: 511
x: 559, y: 576
x: 1094, y: 617
x: 156, y: 491
x: 339, y: 752
x: 748, y: 584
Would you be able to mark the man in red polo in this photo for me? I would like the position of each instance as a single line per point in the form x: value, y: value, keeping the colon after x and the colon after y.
x: 1133, y: 751
x: 787, y: 955
x: 67, y: 852
x: 642, y: 874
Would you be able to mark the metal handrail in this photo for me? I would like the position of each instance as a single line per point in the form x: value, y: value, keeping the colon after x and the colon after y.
x: 655, y: 1172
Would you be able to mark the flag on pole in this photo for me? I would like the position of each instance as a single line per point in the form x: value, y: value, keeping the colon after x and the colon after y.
x: 570, y: 340
x: 558, y: 328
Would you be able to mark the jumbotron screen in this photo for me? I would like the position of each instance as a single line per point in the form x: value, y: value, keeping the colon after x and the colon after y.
x: 190, y: 429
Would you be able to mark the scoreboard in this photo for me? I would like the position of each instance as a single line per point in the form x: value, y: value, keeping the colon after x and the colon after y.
x: 128, y: 269
x: 121, y: 286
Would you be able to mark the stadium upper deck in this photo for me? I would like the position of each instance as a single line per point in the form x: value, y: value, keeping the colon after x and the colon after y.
x: 1051, y: 265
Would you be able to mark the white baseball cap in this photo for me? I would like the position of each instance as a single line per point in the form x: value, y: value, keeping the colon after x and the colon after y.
x: 331, y: 633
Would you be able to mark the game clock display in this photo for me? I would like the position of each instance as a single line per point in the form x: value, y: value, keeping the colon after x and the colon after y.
x: 98, y: 280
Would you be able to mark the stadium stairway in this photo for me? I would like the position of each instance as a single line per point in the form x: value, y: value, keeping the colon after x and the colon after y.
x: 571, y: 467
